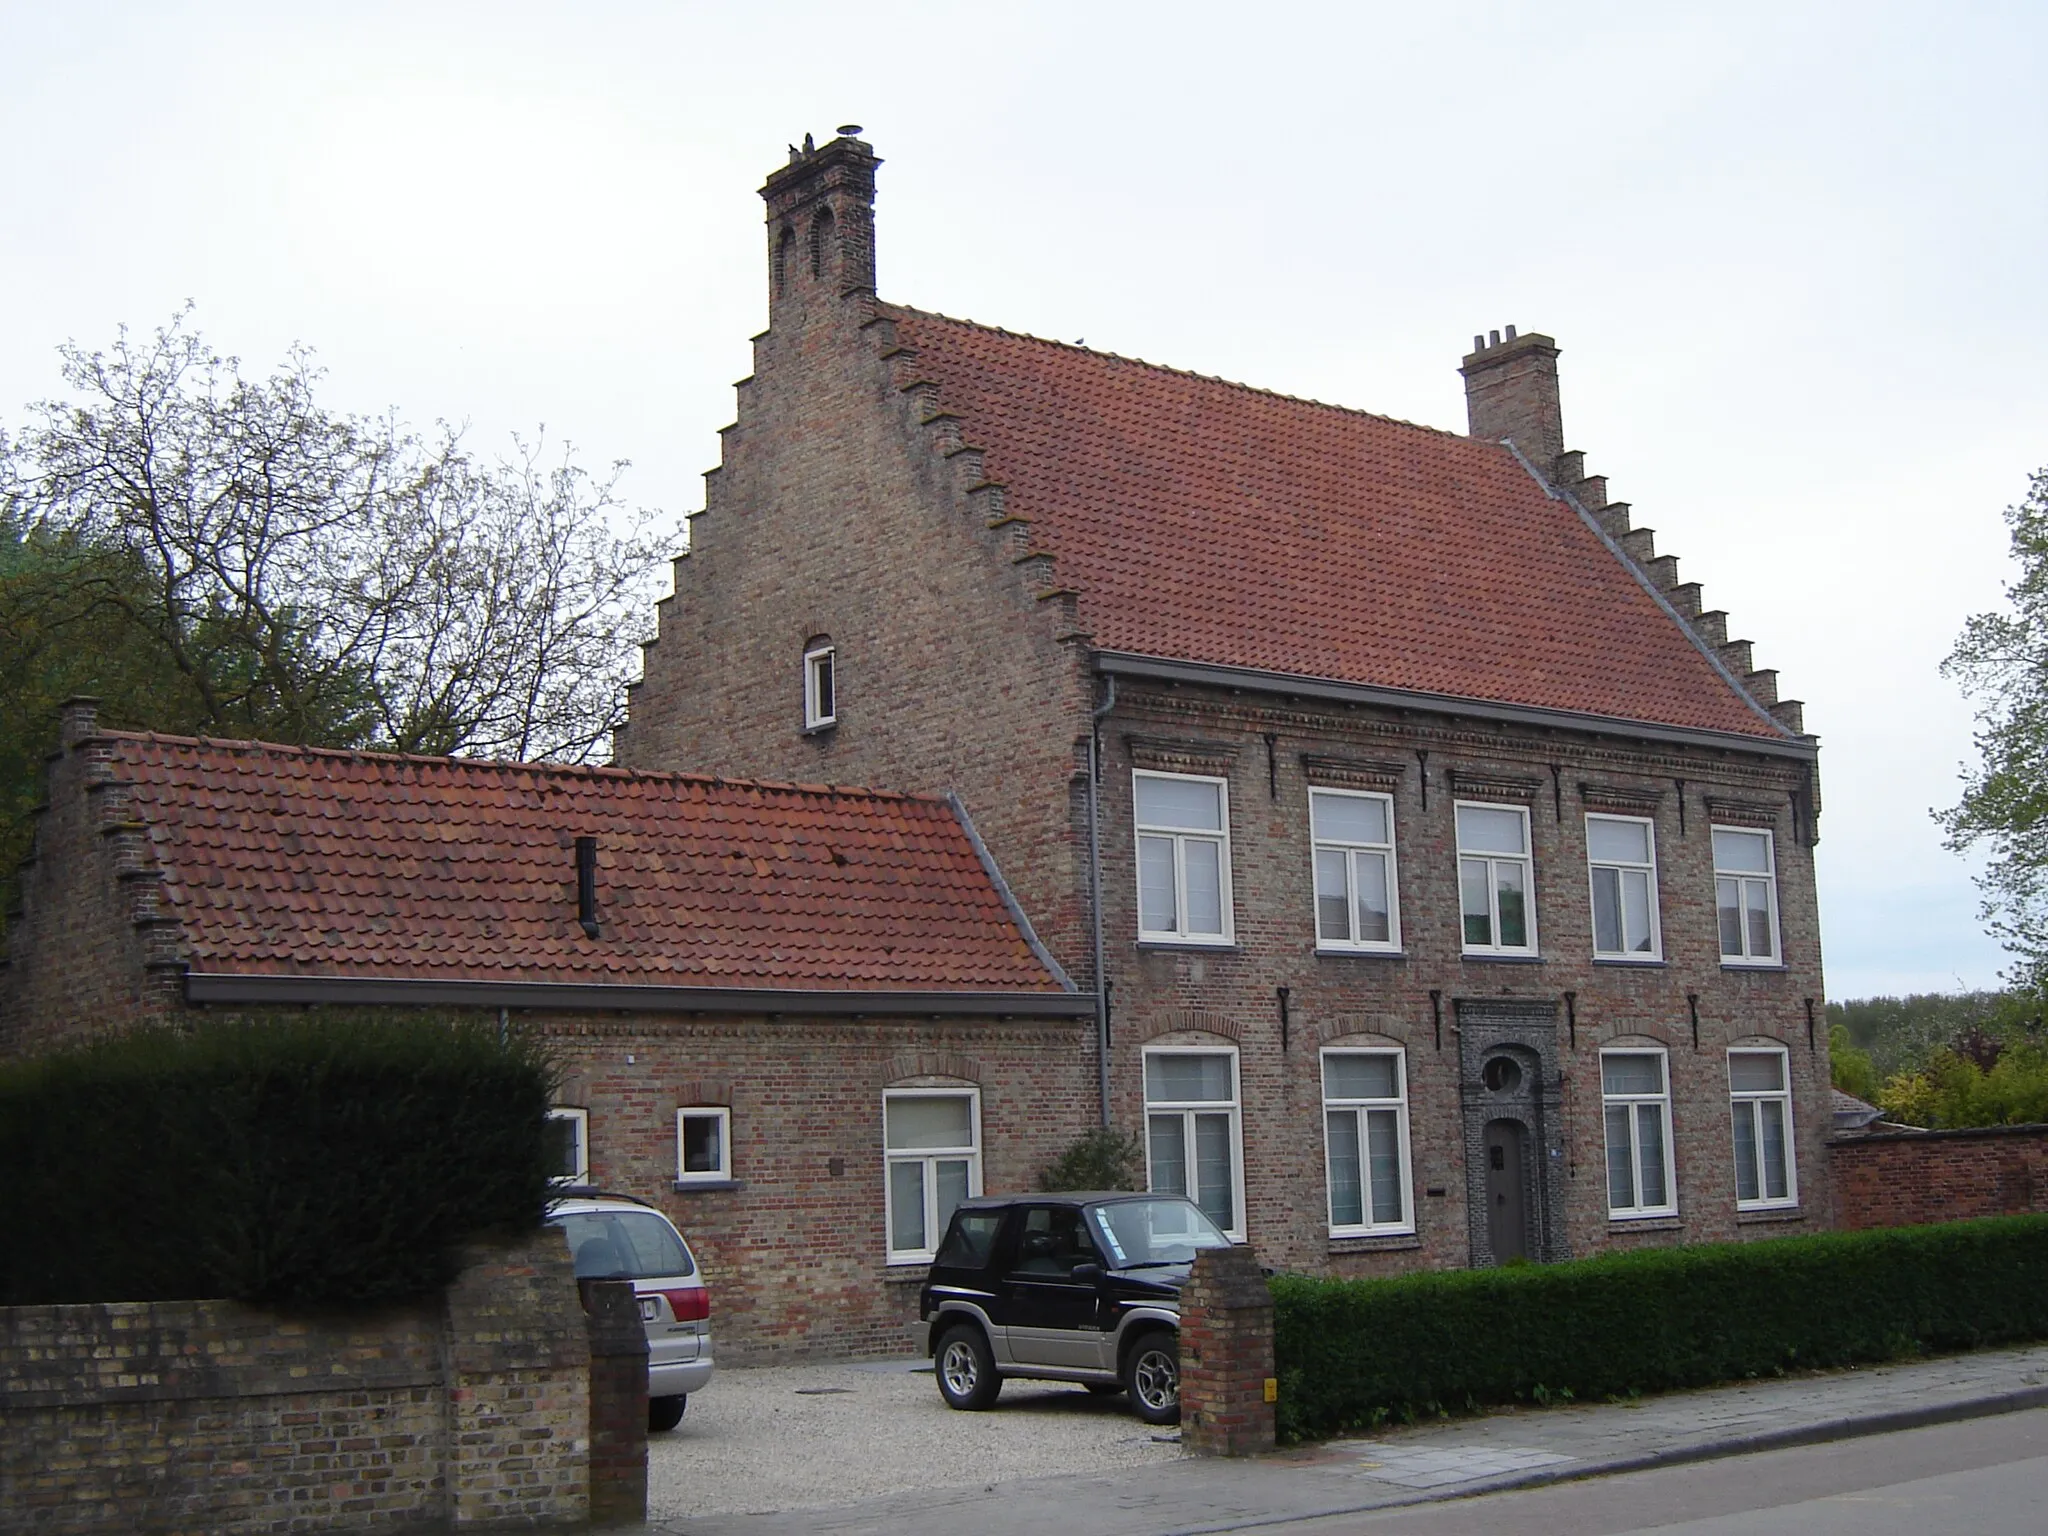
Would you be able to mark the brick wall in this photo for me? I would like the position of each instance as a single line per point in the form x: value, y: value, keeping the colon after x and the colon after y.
x: 209, y: 1416
x: 793, y: 1247
x: 1903, y: 1179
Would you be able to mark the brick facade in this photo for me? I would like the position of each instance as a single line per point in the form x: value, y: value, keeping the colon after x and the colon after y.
x: 209, y: 1416
x: 1907, y: 1178
x: 854, y: 504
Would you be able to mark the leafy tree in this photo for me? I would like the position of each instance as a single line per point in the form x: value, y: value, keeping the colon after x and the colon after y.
x: 323, y: 578
x: 2001, y: 660
x: 1849, y: 1066
x: 1954, y: 1090
x: 214, y: 553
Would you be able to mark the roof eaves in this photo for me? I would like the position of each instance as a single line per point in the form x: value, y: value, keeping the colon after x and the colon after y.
x: 608, y: 997
x: 1217, y: 675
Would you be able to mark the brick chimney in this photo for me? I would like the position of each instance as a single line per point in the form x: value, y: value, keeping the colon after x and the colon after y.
x: 821, y: 226
x: 1511, y: 392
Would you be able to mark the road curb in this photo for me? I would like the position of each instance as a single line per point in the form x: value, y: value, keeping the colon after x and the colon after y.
x: 1891, y: 1421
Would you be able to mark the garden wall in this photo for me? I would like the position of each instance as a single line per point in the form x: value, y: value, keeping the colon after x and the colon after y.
x: 1907, y: 1178
x: 211, y: 1416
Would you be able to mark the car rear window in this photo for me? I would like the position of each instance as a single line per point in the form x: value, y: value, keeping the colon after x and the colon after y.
x: 624, y: 1245
x: 971, y: 1239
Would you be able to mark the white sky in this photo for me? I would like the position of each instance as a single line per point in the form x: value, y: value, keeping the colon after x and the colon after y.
x: 1794, y: 254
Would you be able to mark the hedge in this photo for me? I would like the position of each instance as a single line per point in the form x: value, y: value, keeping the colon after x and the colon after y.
x: 1351, y: 1354
x: 299, y: 1160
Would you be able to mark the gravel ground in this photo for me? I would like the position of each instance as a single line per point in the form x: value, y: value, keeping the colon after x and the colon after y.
x: 773, y: 1438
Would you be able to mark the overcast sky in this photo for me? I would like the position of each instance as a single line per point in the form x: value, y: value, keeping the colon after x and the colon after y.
x: 1794, y: 255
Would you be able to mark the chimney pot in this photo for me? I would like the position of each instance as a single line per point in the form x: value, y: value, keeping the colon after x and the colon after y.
x: 1511, y: 333
x: 1493, y: 338
x: 586, y: 885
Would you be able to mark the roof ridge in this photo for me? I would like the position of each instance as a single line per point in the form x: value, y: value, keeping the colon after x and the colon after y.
x: 508, y: 765
x: 1185, y: 373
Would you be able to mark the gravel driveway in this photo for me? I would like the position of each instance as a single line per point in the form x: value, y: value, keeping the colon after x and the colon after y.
x: 814, y: 1436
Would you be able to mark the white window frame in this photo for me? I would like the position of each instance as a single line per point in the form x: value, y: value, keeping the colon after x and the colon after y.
x: 934, y: 1228
x: 1634, y: 1101
x: 723, y: 1115
x: 1352, y: 852
x: 1181, y: 837
x: 1594, y: 865
x: 580, y: 1118
x: 1755, y: 1098
x: 1527, y: 859
x: 821, y: 677
x: 1769, y: 881
x: 1187, y: 1109
x: 1362, y: 1110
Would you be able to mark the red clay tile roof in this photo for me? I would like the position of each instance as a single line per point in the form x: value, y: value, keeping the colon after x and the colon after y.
x: 1207, y: 521
x: 288, y: 861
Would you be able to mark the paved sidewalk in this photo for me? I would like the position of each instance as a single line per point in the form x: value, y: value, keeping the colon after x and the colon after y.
x: 1446, y: 1459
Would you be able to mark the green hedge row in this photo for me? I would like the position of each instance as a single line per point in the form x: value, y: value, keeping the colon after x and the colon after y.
x: 1351, y: 1354
x: 330, y: 1158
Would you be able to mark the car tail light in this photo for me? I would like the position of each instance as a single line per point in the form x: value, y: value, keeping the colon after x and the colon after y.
x: 690, y: 1306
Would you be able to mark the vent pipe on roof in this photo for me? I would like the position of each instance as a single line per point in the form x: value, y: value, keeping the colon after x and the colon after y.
x: 586, y: 885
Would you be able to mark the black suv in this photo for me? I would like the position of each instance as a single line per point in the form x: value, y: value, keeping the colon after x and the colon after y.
x: 1069, y: 1287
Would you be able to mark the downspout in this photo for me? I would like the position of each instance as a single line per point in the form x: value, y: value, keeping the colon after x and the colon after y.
x: 1095, y: 892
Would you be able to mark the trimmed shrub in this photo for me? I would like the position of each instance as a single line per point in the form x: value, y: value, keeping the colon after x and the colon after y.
x: 1103, y: 1158
x: 331, y: 1158
x: 1352, y: 1354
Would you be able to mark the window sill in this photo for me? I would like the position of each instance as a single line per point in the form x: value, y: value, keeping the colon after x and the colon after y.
x: 1653, y: 963
x: 1765, y: 966
x: 1766, y: 1214
x: 1617, y: 1225
x: 693, y: 1186
x: 1201, y: 946
x: 1373, y: 1242
x: 1326, y: 952
x: 1487, y: 957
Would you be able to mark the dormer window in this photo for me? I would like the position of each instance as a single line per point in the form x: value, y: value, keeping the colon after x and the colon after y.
x: 821, y: 693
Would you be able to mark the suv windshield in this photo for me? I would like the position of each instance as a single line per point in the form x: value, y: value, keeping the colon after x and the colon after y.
x: 623, y: 1245
x: 1166, y: 1230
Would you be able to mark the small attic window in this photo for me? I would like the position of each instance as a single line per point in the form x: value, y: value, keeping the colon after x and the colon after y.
x: 821, y: 692
x: 821, y: 239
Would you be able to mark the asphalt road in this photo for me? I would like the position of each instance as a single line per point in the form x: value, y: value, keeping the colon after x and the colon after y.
x: 1984, y: 1477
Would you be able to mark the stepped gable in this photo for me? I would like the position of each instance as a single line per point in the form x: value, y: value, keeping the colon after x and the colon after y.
x: 1199, y: 520
x: 276, y: 860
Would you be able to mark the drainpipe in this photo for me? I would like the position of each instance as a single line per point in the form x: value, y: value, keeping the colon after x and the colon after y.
x: 1095, y: 892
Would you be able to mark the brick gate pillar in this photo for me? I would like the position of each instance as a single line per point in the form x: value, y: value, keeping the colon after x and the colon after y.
x: 618, y: 1402
x: 1226, y: 1355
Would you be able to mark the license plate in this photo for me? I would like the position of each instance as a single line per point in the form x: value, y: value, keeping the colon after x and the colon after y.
x: 647, y: 1309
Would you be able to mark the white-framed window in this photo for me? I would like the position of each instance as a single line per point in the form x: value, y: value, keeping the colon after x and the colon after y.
x: 1496, y: 879
x: 1621, y: 859
x: 1365, y: 1141
x: 821, y: 688
x: 568, y: 1136
x: 1357, y: 900
x: 703, y: 1145
x: 1183, y: 831
x: 931, y: 1141
x: 1191, y: 1130
x: 1635, y: 1087
x: 1760, y: 1099
x: 1746, y: 893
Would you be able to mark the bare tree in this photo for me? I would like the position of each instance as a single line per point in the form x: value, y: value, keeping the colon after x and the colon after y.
x: 343, y: 580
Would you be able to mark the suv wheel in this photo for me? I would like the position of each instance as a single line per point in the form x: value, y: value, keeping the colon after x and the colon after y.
x: 1152, y: 1375
x: 965, y: 1368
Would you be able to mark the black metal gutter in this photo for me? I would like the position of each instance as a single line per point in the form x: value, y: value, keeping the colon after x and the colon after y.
x: 604, y: 997
x: 1213, y: 675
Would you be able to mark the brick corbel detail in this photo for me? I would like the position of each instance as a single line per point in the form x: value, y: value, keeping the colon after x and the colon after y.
x: 1226, y: 1355
x: 1741, y: 813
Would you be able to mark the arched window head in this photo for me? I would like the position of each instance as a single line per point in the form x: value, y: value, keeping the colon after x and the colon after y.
x: 821, y: 241
x: 785, y: 247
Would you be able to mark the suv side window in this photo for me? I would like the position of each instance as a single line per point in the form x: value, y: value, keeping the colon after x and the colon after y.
x: 1053, y: 1242
x: 971, y: 1240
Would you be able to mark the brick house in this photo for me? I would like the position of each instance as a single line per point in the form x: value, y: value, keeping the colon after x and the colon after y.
x: 1446, y: 867
x: 800, y: 1018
